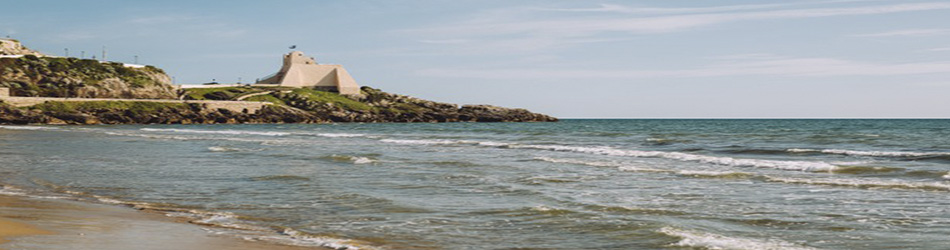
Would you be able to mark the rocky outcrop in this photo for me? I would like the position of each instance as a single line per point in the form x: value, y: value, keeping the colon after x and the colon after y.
x: 488, y: 113
x: 54, y: 113
x: 299, y: 106
x: 13, y: 47
x: 72, y: 77
x: 378, y: 106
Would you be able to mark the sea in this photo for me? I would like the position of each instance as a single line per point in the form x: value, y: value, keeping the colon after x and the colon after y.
x: 574, y: 184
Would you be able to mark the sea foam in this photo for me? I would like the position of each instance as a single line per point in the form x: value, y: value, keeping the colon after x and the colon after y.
x: 339, y: 135
x: 864, y: 183
x: 728, y: 161
x: 223, y: 132
x: 427, y: 142
x: 714, y: 241
x: 868, y: 153
x: 27, y: 128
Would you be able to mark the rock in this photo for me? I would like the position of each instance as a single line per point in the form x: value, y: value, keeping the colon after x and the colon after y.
x: 488, y: 113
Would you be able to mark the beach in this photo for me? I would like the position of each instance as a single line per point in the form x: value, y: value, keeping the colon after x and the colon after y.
x: 35, y: 223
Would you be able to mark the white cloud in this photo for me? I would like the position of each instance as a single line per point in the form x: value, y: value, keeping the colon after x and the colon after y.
x: 940, y: 49
x: 908, y: 32
x: 742, y: 65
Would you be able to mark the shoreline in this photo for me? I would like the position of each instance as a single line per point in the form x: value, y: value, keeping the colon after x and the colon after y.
x: 30, y: 223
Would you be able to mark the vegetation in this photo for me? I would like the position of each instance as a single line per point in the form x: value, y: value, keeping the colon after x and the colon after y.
x: 225, y: 93
x: 266, y: 98
x: 63, y: 77
x: 133, y: 107
x: 323, y: 97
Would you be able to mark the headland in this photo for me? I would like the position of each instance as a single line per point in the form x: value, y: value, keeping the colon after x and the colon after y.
x: 41, y: 89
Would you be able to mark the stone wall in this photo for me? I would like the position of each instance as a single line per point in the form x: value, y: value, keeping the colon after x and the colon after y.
x: 234, y: 106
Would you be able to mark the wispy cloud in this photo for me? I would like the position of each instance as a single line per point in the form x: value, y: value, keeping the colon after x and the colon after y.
x: 940, y: 49
x: 159, y: 25
x: 742, y: 65
x: 908, y: 32
x: 525, y: 30
x: 616, y: 8
x: 162, y: 19
x: 445, y: 41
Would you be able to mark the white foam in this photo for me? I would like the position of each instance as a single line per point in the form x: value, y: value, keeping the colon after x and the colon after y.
x: 867, y: 153
x: 294, y: 237
x: 362, y: 160
x: 619, y: 166
x: 427, y: 142
x: 27, y: 127
x: 946, y: 176
x: 864, y: 183
x: 223, y: 149
x: 493, y: 144
x: 728, y: 161
x: 12, y: 191
x: 340, y: 135
x: 542, y: 208
x: 715, y: 241
x: 224, y: 132
x: 712, y: 173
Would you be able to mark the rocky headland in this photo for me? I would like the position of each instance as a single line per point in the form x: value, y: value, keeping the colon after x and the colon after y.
x: 37, y: 75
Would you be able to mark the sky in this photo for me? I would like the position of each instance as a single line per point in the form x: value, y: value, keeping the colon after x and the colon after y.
x: 570, y: 59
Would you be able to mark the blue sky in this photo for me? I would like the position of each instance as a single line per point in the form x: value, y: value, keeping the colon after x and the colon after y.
x: 619, y: 59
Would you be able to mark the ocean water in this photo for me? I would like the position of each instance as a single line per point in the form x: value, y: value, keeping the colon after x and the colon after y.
x: 597, y: 184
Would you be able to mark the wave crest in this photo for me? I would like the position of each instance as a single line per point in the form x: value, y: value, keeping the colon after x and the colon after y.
x: 869, y: 153
x: 864, y: 183
x: 728, y: 161
x: 715, y: 241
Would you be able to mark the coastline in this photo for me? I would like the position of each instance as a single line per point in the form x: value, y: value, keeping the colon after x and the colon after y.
x: 31, y: 223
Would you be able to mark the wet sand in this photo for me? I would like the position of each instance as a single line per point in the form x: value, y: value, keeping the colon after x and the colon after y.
x: 31, y: 223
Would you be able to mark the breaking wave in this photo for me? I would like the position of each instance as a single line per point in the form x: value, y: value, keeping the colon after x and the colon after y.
x: 27, y: 127
x: 869, y: 153
x: 339, y: 135
x: 244, y: 132
x: 864, y: 183
x: 706, y: 240
x: 728, y: 161
x: 427, y: 142
x: 636, y: 168
x: 223, y: 149
x: 222, y: 132
x: 350, y: 159
x: 619, y: 166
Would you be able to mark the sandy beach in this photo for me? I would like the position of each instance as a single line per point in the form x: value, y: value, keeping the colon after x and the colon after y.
x: 30, y: 223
